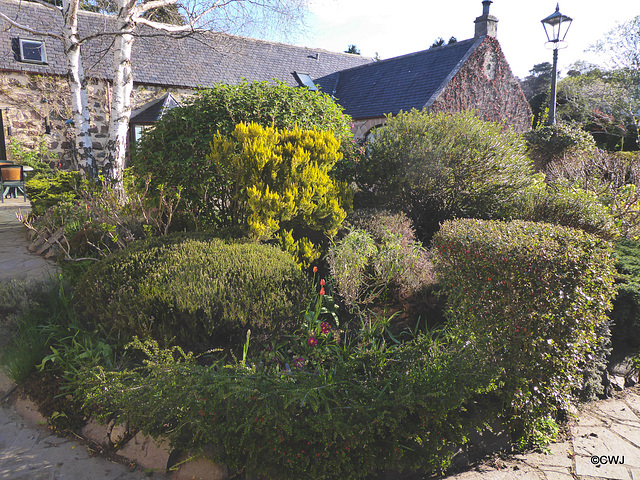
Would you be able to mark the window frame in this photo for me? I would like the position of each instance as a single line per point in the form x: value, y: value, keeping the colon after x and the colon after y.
x: 43, y: 50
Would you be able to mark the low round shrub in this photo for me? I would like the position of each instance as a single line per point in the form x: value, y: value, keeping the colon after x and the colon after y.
x: 194, y: 290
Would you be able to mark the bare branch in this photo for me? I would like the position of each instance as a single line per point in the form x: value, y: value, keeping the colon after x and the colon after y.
x: 29, y: 29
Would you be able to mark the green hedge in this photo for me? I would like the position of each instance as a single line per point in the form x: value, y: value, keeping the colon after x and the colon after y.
x: 408, y: 407
x: 528, y: 295
x: 195, y: 289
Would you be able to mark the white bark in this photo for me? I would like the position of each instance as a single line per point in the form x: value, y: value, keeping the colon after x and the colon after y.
x: 122, y: 88
x: 84, y: 158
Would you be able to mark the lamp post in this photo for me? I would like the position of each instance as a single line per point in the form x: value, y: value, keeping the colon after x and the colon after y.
x: 556, y: 27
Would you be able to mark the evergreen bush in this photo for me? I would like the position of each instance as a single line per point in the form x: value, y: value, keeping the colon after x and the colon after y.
x: 195, y: 291
x: 436, y: 167
x: 529, y: 295
x: 175, y: 151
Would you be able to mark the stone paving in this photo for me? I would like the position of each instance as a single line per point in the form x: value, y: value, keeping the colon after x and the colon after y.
x: 604, y: 439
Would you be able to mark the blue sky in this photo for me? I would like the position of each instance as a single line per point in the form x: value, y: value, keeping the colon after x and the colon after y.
x: 397, y: 27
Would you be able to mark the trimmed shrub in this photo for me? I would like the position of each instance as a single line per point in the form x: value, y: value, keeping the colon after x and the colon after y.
x: 528, y: 295
x: 560, y: 203
x: 175, y: 151
x: 555, y: 142
x: 436, y: 167
x: 195, y: 290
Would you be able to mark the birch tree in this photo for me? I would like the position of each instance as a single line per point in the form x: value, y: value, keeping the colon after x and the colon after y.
x: 71, y: 42
x: 130, y: 15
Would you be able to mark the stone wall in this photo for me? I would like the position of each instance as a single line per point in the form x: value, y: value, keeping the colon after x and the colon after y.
x: 486, y: 84
x: 361, y: 128
x: 31, y: 102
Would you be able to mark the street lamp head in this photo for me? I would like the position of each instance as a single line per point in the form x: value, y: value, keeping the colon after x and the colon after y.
x: 556, y: 27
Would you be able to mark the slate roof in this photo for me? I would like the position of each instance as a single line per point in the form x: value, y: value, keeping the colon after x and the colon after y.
x: 400, y: 83
x: 201, y: 60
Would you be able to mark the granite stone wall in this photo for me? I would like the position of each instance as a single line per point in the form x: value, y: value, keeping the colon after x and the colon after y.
x: 32, y: 105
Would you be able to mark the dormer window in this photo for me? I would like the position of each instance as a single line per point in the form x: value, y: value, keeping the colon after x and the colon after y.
x: 32, y: 51
x: 304, y: 80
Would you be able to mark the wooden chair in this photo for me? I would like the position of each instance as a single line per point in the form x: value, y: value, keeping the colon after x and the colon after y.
x: 12, y: 178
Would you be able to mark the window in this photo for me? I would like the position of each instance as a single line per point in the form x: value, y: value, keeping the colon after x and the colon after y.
x: 304, y: 79
x: 32, y: 51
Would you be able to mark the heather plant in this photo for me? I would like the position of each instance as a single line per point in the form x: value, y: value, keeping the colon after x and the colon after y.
x: 277, y: 182
x: 435, y: 167
x: 195, y: 291
x: 529, y: 296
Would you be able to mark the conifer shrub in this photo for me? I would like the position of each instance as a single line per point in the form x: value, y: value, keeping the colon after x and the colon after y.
x: 441, y: 166
x: 175, y: 151
x: 528, y: 295
x: 277, y: 182
x: 46, y: 190
x: 195, y: 290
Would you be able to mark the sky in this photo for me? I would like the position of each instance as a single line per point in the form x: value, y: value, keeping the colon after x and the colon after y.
x: 398, y: 27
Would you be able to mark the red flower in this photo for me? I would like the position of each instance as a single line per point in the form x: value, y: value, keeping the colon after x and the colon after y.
x: 322, y: 282
x: 322, y: 291
x: 315, y: 269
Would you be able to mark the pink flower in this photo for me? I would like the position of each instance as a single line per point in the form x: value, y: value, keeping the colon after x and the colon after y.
x: 325, y: 327
x: 312, y: 341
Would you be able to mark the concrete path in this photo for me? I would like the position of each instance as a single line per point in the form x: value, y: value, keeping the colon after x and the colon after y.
x: 604, y: 444
x: 16, y: 261
x: 604, y: 438
x: 28, y: 449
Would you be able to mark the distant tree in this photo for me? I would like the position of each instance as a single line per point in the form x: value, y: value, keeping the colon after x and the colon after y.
x: 536, y: 89
x: 376, y: 57
x: 353, y: 50
x: 620, y: 49
x: 438, y: 42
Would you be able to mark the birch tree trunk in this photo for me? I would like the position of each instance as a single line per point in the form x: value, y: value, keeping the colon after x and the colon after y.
x: 116, y: 148
x: 84, y: 155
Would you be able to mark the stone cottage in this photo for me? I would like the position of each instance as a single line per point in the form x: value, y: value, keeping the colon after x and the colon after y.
x: 470, y: 74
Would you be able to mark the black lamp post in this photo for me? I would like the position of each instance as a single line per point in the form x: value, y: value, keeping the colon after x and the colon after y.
x: 556, y: 27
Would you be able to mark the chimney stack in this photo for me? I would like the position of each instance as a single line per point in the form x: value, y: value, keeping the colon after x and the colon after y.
x: 486, y: 24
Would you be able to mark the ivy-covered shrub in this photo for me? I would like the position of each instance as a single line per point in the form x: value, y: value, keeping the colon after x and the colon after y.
x: 175, y: 151
x: 378, y: 256
x: 441, y: 166
x: 48, y: 189
x: 277, y: 182
x: 561, y: 203
x: 195, y: 290
x: 529, y: 296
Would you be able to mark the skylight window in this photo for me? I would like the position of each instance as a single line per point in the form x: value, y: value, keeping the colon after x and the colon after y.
x: 304, y: 80
x: 32, y: 51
